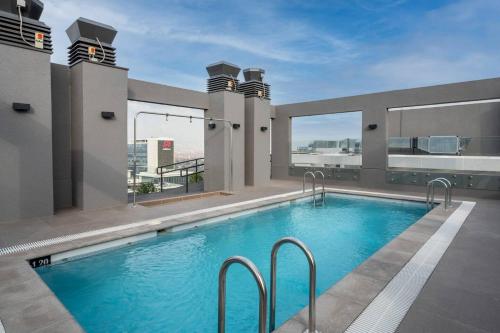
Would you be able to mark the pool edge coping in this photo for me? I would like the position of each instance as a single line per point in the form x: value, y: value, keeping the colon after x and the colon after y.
x: 62, y: 316
x: 343, y: 303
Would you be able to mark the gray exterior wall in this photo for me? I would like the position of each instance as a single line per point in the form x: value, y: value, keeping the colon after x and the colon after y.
x: 143, y: 91
x: 61, y: 135
x: 464, y: 120
x: 26, y: 180
x: 374, y: 107
x: 257, y: 142
x: 229, y: 106
x: 99, y: 146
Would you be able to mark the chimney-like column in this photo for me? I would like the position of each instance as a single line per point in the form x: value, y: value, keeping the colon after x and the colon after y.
x: 257, y: 128
x: 224, y: 147
x: 98, y: 117
x: 26, y: 180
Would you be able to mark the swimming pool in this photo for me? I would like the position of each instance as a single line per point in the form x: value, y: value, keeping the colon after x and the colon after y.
x: 169, y: 283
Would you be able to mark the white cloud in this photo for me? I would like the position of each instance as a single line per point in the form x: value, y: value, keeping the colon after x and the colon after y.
x: 274, y: 38
x: 451, y: 44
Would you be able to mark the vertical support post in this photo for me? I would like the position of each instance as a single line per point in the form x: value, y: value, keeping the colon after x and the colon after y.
x: 161, y: 180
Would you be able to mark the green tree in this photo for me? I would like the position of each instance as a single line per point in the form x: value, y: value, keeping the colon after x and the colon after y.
x: 145, y: 188
x: 195, y: 178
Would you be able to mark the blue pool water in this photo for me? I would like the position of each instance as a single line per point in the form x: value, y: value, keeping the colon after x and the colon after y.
x: 169, y: 283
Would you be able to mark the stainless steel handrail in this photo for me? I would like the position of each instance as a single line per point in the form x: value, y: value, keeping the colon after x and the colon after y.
x: 312, y: 282
x: 430, y: 188
x: 314, y: 184
x: 449, y: 189
x: 261, y: 285
x: 323, y: 184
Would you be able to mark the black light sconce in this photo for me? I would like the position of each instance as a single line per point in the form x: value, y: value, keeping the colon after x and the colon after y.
x: 372, y: 126
x: 236, y: 126
x: 108, y: 115
x: 263, y: 129
x: 211, y: 125
x: 21, y: 107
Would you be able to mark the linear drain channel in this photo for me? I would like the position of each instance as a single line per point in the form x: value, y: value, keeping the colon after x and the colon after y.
x: 387, y: 310
x: 59, y: 240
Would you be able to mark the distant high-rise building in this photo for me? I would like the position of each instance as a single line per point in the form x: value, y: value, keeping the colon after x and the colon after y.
x: 151, y: 153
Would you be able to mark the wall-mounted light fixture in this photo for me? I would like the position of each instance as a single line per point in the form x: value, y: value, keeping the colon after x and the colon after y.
x: 236, y: 126
x: 108, y: 115
x: 21, y: 107
x: 263, y: 129
x: 211, y: 125
x: 372, y: 126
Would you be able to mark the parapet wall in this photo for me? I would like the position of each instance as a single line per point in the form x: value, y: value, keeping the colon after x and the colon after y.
x: 447, y: 120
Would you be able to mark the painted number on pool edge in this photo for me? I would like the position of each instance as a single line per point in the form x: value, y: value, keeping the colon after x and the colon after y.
x: 39, y: 262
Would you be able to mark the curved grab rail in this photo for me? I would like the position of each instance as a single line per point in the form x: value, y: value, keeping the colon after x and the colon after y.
x: 450, y: 186
x: 430, y: 192
x: 312, y: 282
x: 314, y: 184
x: 261, y: 285
x: 323, y: 185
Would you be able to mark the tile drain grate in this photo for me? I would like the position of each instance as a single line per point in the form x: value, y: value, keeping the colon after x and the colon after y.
x: 387, y: 310
x: 62, y: 239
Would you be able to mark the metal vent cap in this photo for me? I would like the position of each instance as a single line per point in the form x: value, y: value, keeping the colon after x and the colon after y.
x: 86, y: 28
x: 33, y: 9
x: 223, y: 68
x: 254, y: 74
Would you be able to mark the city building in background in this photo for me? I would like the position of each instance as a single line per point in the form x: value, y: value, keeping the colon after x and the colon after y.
x: 151, y: 153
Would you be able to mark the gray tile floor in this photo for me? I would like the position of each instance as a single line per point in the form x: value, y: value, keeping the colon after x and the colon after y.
x: 463, y: 293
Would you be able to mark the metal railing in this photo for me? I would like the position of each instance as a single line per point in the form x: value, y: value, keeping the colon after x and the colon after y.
x: 312, y: 282
x: 166, y: 115
x: 450, y: 187
x: 431, y: 192
x: 313, y: 175
x: 222, y: 291
x: 313, y: 187
x: 164, y: 170
x: 323, y: 185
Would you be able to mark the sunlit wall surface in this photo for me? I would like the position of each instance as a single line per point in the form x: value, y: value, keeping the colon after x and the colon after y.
x: 329, y: 141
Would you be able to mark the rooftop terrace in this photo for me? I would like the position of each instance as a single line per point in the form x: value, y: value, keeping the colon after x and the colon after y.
x: 73, y: 188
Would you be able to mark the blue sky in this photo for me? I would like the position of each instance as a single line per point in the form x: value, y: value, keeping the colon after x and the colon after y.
x: 310, y: 49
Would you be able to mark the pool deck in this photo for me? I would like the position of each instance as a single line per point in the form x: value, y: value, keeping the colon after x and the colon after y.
x: 462, y: 294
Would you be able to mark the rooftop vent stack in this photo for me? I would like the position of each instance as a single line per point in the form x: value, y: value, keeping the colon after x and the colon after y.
x: 223, y: 76
x: 91, y: 41
x: 254, y: 85
x: 10, y: 23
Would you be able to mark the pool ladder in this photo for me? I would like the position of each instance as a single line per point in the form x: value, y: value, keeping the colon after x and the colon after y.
x: 430, y: 192
x: 262, y: 287
x: 313, y: 175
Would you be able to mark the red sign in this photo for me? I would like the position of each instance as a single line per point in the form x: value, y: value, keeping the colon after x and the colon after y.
x: 167, y: 145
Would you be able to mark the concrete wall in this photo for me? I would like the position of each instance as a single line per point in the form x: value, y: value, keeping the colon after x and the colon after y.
x: 99, y: 146
x: 26, y: 180
x: 257, y: 142
x: 143, y: 91
x: 374, y: 107
x: 229, y: 106
x: 61, y: 135
x: 474, y: 120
